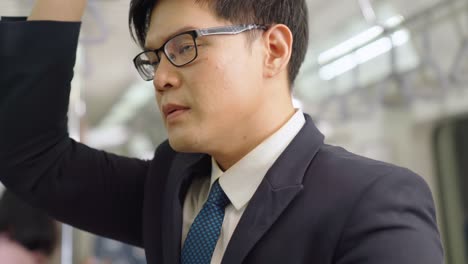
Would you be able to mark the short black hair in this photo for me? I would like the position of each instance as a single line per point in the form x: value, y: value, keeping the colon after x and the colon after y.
x: 292, y: 13
x: 27, y: 226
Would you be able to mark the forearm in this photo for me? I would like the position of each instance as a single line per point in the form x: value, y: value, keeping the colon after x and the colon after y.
x: 58, y: 10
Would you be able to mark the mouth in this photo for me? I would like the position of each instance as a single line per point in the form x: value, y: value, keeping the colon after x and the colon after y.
x: 172, y: 111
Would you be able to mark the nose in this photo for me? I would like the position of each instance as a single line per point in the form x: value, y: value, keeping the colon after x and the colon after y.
x: 166, y: 76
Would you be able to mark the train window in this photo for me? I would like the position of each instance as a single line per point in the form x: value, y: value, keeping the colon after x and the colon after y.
x: 451, y: 155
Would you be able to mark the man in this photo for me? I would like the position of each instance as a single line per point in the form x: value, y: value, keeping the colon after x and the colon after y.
x: 264, y: 188
x: 27, y: 235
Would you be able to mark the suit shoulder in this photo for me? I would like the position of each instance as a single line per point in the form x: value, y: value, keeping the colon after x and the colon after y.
x: 358, y: 171
x: 379, y: 202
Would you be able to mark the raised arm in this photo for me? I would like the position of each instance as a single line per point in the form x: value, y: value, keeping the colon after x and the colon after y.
x: 87, y: 188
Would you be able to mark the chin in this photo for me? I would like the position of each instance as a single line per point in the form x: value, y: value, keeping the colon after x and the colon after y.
x: 185, y: 144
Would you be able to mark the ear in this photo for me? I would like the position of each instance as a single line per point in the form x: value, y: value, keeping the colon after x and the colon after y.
x: 278, y: 42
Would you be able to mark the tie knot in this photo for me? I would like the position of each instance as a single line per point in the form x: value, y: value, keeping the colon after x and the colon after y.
x: 217, y: 196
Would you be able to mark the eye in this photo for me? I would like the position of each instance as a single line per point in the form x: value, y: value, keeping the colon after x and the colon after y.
x: 171, y: 56
x: 188, y: 48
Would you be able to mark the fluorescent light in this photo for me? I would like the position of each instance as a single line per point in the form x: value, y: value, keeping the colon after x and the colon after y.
x: 363, y: 55
x: 358, y: 40
x: 400, y: 37
x: 350, y: 44
x: 394, y: 21
x: 337, y: 67
x: 381, y: 46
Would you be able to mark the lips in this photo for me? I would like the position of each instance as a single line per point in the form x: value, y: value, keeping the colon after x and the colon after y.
x: 171, y: 110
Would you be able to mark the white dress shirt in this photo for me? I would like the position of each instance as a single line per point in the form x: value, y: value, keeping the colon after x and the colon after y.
x: 239, y: 183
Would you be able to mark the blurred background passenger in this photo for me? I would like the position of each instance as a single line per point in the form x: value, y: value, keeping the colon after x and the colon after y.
x: 27, y: 235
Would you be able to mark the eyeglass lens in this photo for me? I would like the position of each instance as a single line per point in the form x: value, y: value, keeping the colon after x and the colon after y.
x: 179, y: 50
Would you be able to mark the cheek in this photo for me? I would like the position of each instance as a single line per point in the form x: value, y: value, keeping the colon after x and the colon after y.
x: 239, y: 78
x: 226, y: 82
x: 158, y: 101
x: 211, y: 85
x: 158, y: 98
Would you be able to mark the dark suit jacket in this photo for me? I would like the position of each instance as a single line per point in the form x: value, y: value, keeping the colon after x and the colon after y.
x: 317, y: 204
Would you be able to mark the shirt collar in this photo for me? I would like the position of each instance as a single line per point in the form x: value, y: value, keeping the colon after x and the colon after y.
x: 242, y: 180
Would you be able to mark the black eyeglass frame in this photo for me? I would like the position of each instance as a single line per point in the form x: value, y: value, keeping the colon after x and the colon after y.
x: 223, y: 30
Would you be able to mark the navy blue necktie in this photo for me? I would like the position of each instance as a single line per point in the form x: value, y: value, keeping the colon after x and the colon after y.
x: 204, y: 232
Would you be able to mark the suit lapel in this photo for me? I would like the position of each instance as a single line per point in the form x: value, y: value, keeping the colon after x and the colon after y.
x: 281, y: 185
x: 184, y: 168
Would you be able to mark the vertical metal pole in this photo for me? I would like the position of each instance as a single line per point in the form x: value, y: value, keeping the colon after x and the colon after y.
x: 67, y: 245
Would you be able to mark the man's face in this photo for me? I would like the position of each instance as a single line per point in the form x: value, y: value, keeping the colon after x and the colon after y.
x: 217, y: 95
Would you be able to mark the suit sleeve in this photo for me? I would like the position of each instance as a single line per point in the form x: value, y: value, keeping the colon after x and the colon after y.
x: 87, y: 188
x: 393, y: 222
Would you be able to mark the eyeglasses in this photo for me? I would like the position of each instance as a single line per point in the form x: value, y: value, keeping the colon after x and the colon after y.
x: 182, y: 49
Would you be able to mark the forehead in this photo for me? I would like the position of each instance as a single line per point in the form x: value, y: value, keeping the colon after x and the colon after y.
x: 170, y: 16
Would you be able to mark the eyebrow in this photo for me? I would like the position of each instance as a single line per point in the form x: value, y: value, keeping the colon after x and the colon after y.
x: 181, y: 30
